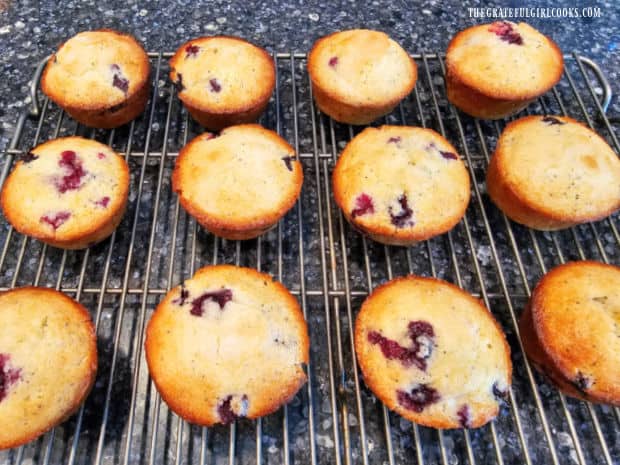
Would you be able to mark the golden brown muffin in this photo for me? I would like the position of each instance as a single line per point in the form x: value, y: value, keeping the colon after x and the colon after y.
x: 238, y: 184
x: 223, y: 81
x: 101, y: 78
x: 359, y: 75
x: 432, y: 353
x: 69, y: 192
x: 573, y: 326
x: 551, y: 172
x: 495, y: 70
x: 48, y: 361
x: 230, y: 342
x: 401, y: 184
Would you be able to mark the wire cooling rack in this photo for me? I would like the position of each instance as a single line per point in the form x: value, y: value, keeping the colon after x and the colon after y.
x: 330, y: 268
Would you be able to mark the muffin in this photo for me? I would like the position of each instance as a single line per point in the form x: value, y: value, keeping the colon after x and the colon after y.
x: 359, y: 75
x: 238, y: 184
x: 69, y: 192
x: 432, y: 353
x: 551, y: 172
x: 400, y: 185
x: 230, y: 342
x: 223, y: 81
x: 571, y: 330
x: 495, y: 70
x: 101, y: 78
x: 48, y: 361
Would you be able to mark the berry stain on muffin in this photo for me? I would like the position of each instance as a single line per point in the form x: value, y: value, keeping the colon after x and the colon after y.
x: 183, y: 296
x: 498, y: 393
x: 505, y: 31
x: 101, y: 156
x: 221, y: 297
x: 191, y: 51
x: 448, y: 155
x: 56, y: 220
x: 179, y: 83
x: 394, y: 140
x: 28, y: 157
x: 118, y: 79
x: 582, y: 382
x: 419, y: 398
x: 333, y: 62
x: 401, y: 218
x: 103, y: 202
x: 8, y: 375
x: 75, y: 172
x: 550, y: 120
x: 464, y: 416
x: 422, y: 338
x: 226, y: 413
x: 215, y: 85
x: 363, y: 206
x: 288, y: 161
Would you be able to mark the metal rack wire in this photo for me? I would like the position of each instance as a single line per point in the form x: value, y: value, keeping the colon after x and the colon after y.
x: 330, y: 268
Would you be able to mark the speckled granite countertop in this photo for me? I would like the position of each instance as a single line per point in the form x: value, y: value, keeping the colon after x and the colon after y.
x: 30, y: 29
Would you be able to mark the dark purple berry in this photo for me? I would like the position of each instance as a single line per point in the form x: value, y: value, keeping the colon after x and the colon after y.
x: 119, y: 80
x: 103, y: 201
x: 505, y: 32
x: 363, y: 206
x: 551, y: 121
x: 582, y: 382
x: 402, y: 218
x: 422, y: 339
x: 179, y: 83
x: 191, y: 50
x: 75, y: 172
x: 394, y: 140
x: 183, y: 296
x: 500, y: 394
x: 28, y: 157
x: 214, y: 85
x: 221, y: 297
x: 333, y: 62
x: 464, y: 416
x: 420, y: 397
x: 225, y: 411
x: 56, y: 220
x: 288, y: 161
x: 448, y: 155
x: 8, y: 375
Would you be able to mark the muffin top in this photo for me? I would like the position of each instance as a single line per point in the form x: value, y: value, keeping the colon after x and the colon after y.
x: 48, y: 361
x: 65, y: 188
x: 576, y: 315
x: 505, y: 60
x: 362, y: 67
x: 230, y: 342
x: 247, y: 177
x: 222, y: 74
x: 560, y: 167
x: 96, y: 70
x: 432, y: 353
x: 405, y: 181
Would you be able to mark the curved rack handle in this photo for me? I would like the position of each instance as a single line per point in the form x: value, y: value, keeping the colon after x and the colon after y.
x: 607, y: 92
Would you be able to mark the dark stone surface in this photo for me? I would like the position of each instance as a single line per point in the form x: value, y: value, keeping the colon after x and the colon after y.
x: 29, y: 30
